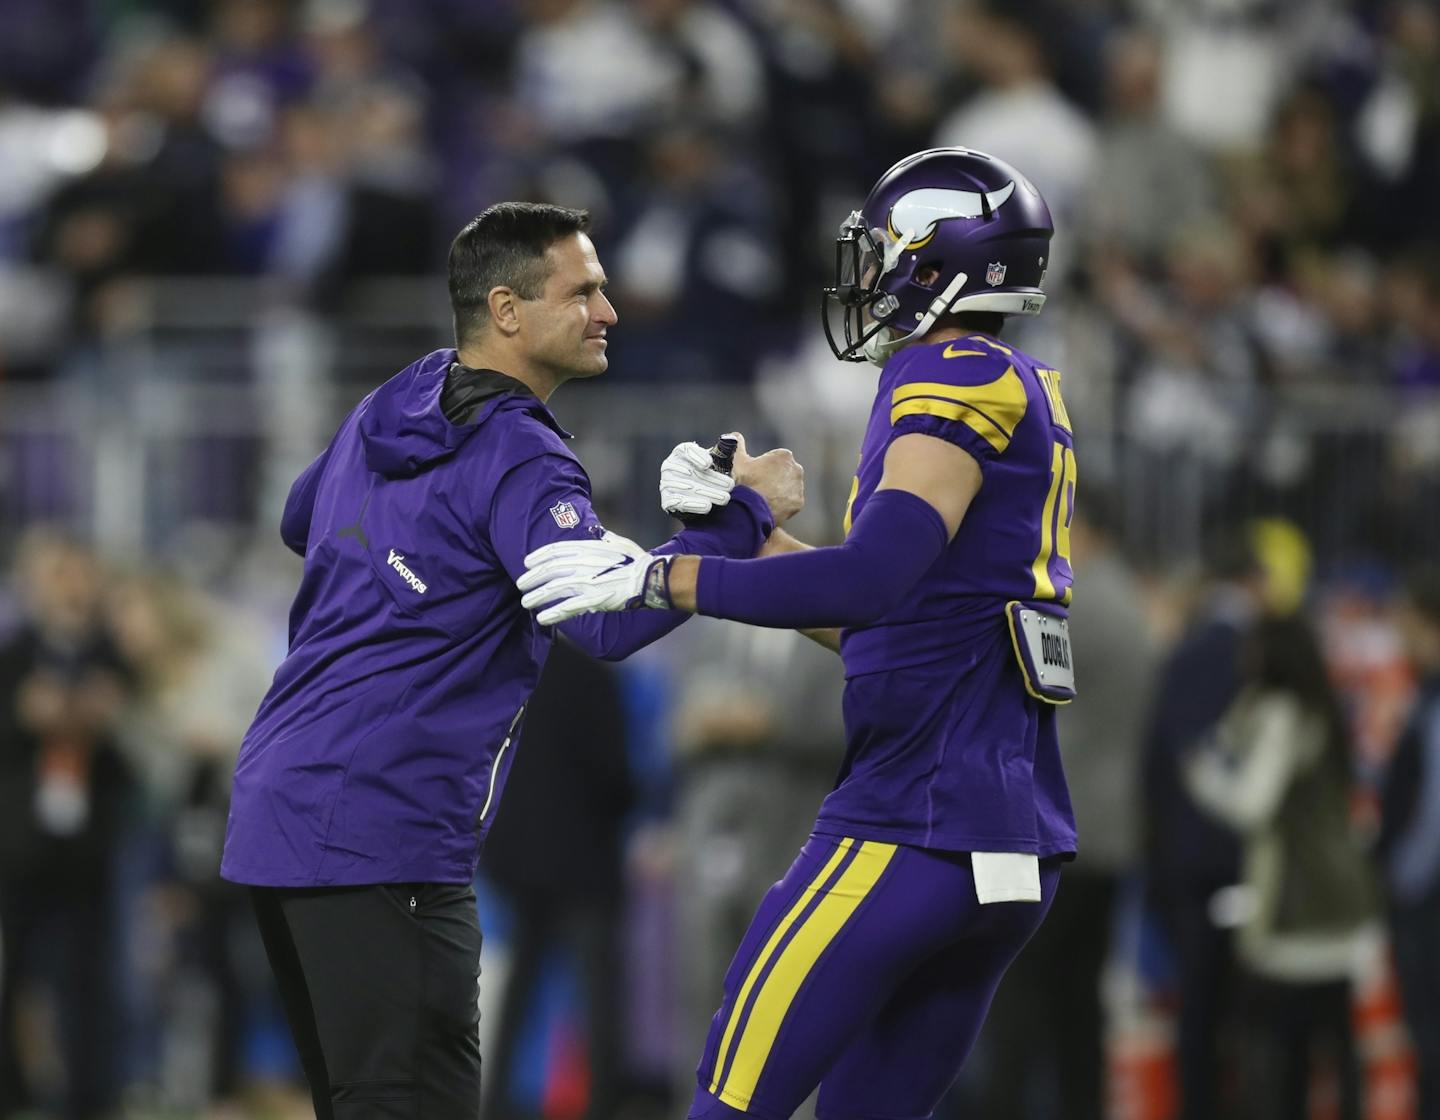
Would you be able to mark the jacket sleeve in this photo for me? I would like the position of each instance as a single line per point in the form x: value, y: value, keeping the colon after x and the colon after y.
x: 1242, y: 778
x: 1414, y: 860
x: 547, y: 499
x: 300, y: 505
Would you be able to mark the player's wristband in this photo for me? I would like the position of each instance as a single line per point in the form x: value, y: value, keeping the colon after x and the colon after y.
x: 656, y: 595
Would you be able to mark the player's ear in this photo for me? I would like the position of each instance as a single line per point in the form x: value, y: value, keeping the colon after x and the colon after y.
x: 504, y: 310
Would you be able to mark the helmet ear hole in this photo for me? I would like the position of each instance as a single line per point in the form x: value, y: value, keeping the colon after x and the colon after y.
x: 927, y: 275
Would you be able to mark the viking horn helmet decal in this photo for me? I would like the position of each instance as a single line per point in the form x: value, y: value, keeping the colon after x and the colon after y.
x: 920, y: 211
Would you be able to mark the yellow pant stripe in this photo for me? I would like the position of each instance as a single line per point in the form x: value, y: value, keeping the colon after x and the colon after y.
x: 759, y: 966
x: 794, y: 965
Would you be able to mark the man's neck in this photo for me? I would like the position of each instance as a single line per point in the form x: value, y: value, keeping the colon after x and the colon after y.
x: 539, y: 382
x: 949, y: 334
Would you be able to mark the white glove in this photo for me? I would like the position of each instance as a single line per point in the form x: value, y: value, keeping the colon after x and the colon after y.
x: 689, y: 482
x: 576, y: 577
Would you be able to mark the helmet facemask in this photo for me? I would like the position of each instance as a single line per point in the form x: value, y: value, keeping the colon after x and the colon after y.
x: 861, y: 263
x: 864, y: 258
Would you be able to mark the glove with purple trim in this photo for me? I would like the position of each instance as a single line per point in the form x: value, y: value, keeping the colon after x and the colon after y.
x: 577, y: 577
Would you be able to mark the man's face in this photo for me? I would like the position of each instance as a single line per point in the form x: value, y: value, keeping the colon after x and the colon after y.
x: 566, y: 325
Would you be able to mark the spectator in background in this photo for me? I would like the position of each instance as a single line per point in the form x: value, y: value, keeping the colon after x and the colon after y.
x: 142, y: 202
x: 1303, y: 192
x: 1196, y: 393
x: 259, y: 68
x: 722, y: 79
x: 1398, y: 125
x: 1148, y: 180
x: 1278, y: 772
x: 1019, y: 115
x: 556, y: 855
x: 699, y: 269
x: 1410, y: 840
x: 200, y: 671
x: 594, y: 76
x: 1191, y: 858
x: 311, y: 212
x: 1414, y: 293
x: 63, y: 801
x: 1048, y: 1009
x: 379, y: 110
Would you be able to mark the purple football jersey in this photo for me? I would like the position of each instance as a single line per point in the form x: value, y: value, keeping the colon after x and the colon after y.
x: 945, y: 746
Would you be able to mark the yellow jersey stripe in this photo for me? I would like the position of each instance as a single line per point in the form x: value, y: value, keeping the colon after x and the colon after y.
x: 1065, y: 513
x: 947, y: 393
x: 973, y: 419
x: 794, y: 965
x: 1003, y: 400
x: 760, y: 961
x: 1044, y: 586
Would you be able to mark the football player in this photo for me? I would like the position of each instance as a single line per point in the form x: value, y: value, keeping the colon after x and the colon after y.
x: 869, y: 968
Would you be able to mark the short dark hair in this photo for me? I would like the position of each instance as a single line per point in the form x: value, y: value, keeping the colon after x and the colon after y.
x: 504, y: 246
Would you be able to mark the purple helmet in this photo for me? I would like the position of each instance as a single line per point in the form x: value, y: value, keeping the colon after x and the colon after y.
x: 944, y: 230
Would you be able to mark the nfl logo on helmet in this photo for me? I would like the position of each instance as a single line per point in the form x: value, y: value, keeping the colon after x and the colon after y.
x: 995, y: 274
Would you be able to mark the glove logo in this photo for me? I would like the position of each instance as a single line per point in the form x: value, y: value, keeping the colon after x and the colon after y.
x: 565, y: 515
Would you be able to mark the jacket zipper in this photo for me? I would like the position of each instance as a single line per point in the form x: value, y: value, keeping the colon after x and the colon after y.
x: 495, y: 766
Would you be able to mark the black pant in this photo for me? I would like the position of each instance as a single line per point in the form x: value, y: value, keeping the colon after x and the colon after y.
x: 1286, y: 1023
x: 1205, y: 957
x: 57, y: 931
x: 589, y: 932
x: 381, y: 987
x: 1047, y: 1010
x: 1416, y: 933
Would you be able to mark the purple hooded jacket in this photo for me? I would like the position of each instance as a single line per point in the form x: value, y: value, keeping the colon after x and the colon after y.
x: 381, y: 749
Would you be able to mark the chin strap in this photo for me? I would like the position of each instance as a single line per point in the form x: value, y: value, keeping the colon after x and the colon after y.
x: 893, y: 251
x: 878, y: 349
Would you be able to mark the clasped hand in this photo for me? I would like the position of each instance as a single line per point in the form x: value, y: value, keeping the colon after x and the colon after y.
x: 570, y: 578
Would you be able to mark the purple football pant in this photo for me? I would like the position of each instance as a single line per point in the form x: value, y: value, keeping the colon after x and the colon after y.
x: 868, y: 970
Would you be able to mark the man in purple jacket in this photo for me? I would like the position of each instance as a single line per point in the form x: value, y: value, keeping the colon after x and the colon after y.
x: 365, y: 786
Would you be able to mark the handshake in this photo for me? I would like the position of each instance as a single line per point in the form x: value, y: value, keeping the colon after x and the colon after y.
x: 570, y: 578
x: 692, y: 483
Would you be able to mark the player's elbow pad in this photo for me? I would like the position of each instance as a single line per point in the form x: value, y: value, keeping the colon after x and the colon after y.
x: 895, y: 541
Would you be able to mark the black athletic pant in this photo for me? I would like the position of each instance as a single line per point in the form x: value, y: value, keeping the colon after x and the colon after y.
x: 381, y: 987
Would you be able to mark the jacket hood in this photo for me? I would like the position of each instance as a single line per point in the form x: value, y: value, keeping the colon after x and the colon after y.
x: 404, y: 427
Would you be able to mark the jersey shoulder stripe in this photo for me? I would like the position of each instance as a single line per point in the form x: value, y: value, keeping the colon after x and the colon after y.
x: 992, y: 409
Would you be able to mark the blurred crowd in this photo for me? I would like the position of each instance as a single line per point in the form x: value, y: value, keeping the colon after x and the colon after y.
x: 1245, y: 299
x: 1246, y: 192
